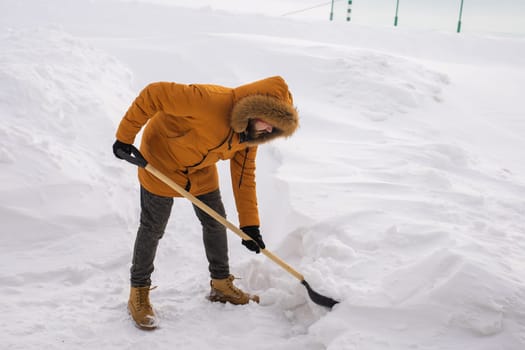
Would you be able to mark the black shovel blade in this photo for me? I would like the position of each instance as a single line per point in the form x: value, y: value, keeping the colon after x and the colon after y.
x: 318, y: 298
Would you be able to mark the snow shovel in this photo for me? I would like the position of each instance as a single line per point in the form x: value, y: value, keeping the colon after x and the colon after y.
x: 136, y: 158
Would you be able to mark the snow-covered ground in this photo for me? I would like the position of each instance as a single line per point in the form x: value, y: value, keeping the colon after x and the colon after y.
x: 402, y: 194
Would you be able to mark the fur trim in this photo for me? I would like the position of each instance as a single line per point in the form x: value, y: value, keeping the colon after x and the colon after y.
x: 281, y: 115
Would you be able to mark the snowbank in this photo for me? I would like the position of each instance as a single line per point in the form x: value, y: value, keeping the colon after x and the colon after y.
x: 401, y: 195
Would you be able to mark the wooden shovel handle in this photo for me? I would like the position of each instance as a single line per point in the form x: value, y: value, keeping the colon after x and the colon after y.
x: 221, y: 219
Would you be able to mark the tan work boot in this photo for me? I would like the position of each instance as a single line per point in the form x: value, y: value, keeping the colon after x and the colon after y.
x: 223, y: 290
x: 140, y: 308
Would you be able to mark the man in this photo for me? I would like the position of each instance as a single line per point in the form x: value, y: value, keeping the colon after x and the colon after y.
x: 189, y: 128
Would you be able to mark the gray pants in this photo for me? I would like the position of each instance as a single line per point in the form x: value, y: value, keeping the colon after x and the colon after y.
x: 155, y: 212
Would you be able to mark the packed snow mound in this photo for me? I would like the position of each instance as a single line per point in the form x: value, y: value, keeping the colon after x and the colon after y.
x: 61, y: 97
x: 370, y: 82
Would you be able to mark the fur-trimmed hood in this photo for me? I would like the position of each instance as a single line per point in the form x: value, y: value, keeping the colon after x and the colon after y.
x: 268, y: 100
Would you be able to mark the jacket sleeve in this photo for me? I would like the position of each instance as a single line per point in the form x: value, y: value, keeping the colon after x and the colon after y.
x: 171, y: 98
x: 242, y: 167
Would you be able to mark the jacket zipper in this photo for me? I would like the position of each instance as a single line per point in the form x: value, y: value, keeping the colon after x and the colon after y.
x: 228, y: 138
x: 243, y: 165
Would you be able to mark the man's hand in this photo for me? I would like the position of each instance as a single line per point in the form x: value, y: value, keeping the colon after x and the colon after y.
x: 257, y: 244
x: 125, y: 147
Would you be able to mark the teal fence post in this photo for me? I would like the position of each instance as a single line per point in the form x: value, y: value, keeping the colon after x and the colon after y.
x: 349, y: 10
x: 397, y: 10
x: 332, y: 11
x: 460, y: 15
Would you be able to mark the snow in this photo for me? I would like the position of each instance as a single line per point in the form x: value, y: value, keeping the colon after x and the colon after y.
x: 401, y: 195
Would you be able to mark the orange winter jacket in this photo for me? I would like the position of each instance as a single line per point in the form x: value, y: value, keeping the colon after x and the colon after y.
x: 191, y: 127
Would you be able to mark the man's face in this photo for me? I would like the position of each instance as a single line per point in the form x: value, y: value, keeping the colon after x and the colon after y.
x: 258, y: 127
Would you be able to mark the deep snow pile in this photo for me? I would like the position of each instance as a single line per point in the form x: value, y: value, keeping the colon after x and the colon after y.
x: 401, y: 194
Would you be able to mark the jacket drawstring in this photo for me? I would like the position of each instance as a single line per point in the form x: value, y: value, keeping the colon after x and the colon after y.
x: 230, y: 139
x: 243, y: 165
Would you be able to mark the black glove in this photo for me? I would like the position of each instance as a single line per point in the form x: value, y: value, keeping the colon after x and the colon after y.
x: 257, y: 244
x: 125, y: 147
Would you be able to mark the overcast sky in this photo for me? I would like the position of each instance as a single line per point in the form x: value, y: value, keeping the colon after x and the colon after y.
x: 486, y: 16
x: 478, y: 15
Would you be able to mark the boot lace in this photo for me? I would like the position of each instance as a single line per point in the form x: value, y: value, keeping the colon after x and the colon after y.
x: 230, y: 284
x: 142, y: 298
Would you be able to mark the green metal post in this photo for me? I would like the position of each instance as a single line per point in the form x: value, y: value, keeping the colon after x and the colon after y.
x: 460, y: 15
x: 332, y: 11
x: 397, y: 10
x: 349, y: 10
